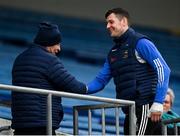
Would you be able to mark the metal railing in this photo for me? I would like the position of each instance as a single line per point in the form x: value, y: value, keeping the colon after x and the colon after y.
x: 89, y: 108
x: 51, y: 93
x: 170, y: 121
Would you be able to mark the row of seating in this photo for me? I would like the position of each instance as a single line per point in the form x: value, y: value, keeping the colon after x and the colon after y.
x: 80, y: 36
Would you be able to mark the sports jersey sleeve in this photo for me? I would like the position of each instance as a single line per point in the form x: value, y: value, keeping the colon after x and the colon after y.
x: 100, y: 80
x: 147, y: 51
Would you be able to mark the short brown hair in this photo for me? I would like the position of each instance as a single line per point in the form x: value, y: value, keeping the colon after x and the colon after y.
x: 120, y: 12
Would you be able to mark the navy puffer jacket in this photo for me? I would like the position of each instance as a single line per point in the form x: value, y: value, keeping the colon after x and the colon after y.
x: 38, y: 68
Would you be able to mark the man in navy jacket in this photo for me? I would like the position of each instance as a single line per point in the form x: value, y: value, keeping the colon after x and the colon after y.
x: 39, y: 67
x: 139, y: 72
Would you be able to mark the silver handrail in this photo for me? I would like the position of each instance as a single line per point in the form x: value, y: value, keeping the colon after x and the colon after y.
x: 50, y: 93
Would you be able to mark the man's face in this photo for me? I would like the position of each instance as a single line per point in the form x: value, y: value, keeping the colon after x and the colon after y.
x: 116, y: 25
x: 55, y: 49
x: 167, y: 103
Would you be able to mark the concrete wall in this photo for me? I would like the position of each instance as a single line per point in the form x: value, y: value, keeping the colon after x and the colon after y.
x: 155, y: 13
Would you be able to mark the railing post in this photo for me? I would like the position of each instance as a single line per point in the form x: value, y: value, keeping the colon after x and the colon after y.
x: 75, y: 121
x: 49, y: 114
x: 164, y: 129
x: 103, y: 122
x: 117, y: 120
x: 132, y: 120
x: 89, y: 122
x: 175, y: 129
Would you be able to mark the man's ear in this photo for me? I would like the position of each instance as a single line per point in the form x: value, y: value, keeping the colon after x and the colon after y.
x: 124, y: 21
x: 48, y: 48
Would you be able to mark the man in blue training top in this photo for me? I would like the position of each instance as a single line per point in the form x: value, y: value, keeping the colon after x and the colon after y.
x: 139, y: 72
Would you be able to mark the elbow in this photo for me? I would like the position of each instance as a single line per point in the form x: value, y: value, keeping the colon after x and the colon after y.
x: 168, y: 71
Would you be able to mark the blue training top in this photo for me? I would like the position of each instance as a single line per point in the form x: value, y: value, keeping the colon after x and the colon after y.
x: 149, y: 53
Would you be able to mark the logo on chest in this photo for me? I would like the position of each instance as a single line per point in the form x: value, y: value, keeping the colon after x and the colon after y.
x: 125, y: 54
x: 118, y: 54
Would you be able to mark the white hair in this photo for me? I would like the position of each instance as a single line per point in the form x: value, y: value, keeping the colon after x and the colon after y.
x: 170, y: 92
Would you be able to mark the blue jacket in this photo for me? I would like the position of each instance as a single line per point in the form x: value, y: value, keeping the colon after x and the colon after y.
x: 38, y: 68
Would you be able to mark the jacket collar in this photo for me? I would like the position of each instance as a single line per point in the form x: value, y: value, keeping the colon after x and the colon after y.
x: 123, y: 38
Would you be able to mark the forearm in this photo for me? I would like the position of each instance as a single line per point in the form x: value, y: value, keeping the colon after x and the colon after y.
x: 95, y: 86
x: 101, y: 79
x: 163, y: 73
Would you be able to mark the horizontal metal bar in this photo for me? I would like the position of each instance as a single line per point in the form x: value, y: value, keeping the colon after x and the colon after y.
x: 96, y: 106
x: 65, y: 94
x: 171, y: 121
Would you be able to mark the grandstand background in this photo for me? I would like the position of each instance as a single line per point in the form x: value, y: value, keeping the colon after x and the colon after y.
x: 86, y: 41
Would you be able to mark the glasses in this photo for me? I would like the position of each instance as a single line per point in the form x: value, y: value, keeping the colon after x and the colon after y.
x: 167, y: 102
